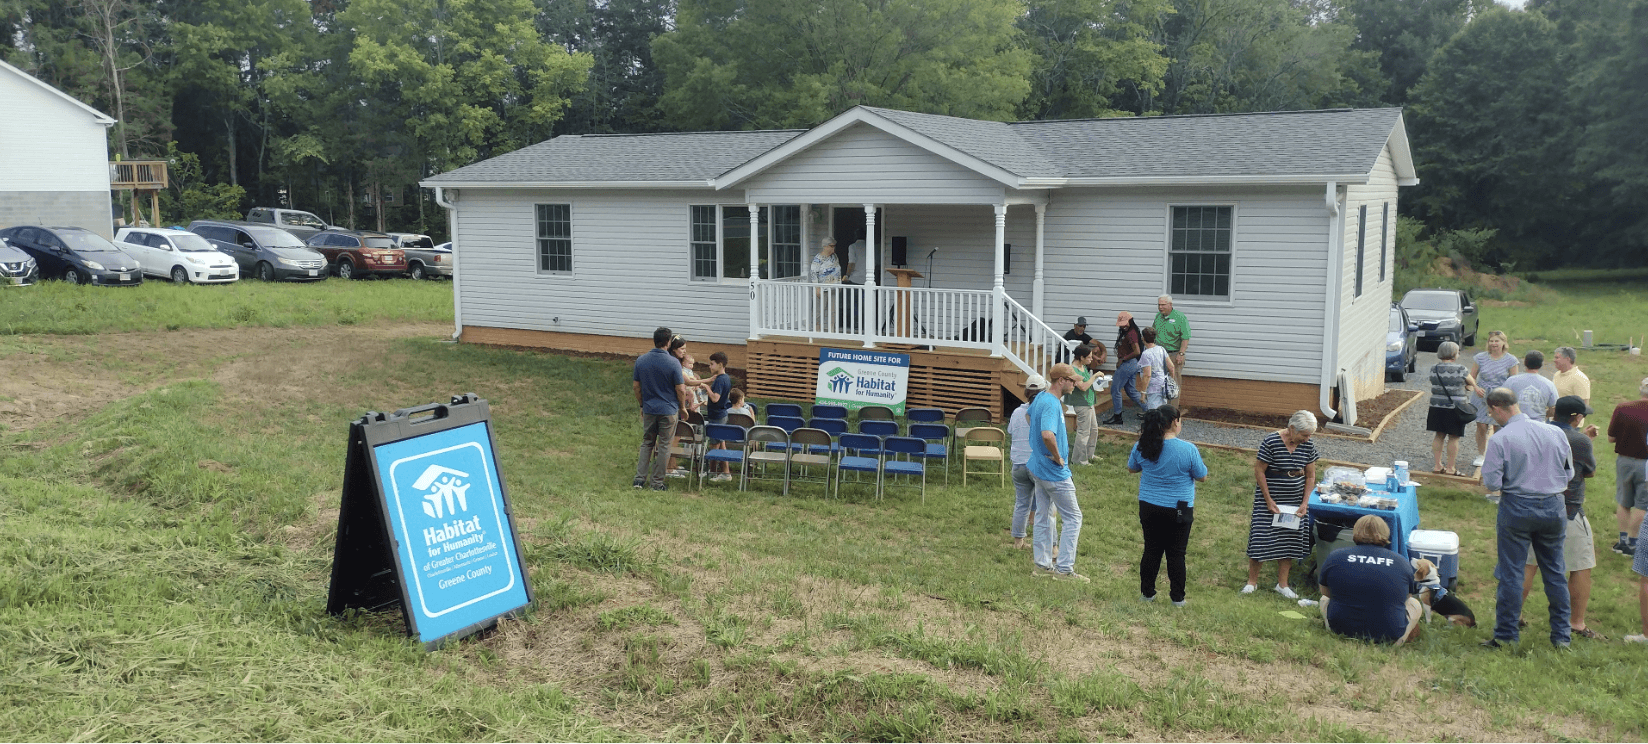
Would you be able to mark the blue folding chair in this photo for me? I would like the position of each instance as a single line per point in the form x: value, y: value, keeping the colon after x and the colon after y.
x: 733, y: 458
x: 835, y: 427
x: 829, y: 410
x: 911, y: 448
x: 857, y: 461
x: 878, y: 428
x: 937, y: 437
x: 782, y: 409
x: 924, y: 415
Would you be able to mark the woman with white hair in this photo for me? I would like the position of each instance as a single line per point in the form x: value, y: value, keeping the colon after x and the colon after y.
x: 1286, y: 464
x: 1450, y: 383
x: 825, y: 269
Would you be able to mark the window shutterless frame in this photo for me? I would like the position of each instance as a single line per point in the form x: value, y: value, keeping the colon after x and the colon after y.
x: 1206, y: 252
x: 553, y: 238
x: 1384, y: 239
x: 780, y: 242
x: 1361, y: 246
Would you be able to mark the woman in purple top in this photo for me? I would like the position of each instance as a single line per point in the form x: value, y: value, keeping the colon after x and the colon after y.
x: 1490, y: 369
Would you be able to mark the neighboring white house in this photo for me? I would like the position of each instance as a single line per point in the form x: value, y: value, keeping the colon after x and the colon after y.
x: 1273, y: 231
x: 54, y: 157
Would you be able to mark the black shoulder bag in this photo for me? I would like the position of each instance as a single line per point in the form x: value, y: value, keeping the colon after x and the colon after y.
x: 1462, y: 409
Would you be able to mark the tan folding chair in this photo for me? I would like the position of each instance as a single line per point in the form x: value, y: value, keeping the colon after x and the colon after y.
x: 690, y: 446
x: 810, y: 447
x: 1070, y: 424
x: 985, y: 444
x: 756, y: 454
x: 741, y: 419
x: 968, y: 418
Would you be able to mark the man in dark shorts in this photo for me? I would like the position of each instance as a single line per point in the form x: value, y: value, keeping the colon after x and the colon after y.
x: 1367, y: 589
x: 661, y: 391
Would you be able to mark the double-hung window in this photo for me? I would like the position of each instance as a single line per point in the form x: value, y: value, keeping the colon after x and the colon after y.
x: 1199, y: 252
x: 720, y: 241
x: 555, y: 238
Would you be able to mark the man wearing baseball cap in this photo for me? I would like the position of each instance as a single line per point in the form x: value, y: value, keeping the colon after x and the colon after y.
x: 1049, y: 466
x: 1024, y: 486
x: 1578, y: 544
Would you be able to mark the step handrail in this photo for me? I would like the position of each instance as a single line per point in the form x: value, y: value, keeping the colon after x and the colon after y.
x: 1028, y: 342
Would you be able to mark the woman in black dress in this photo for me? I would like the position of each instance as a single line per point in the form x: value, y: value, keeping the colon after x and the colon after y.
x: 1286, y: 464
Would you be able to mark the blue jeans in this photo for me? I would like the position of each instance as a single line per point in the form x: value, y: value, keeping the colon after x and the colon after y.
x: 1024, y: 498
x: 1540, y: 523
x: 1060, y: 495
x: 1126, y: 380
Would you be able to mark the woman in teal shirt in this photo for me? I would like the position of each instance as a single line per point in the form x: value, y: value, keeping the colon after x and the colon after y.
x: 1170, y: 467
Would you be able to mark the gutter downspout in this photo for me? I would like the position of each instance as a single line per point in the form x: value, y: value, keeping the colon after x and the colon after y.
x: 452, y: 229
x: 1335, y: 289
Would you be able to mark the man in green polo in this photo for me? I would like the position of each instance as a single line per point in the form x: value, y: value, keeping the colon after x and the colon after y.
x: 1172, y: 334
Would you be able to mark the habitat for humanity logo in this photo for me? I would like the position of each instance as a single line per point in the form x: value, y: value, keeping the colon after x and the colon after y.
x: 446, y: 494
x: 841, y: 381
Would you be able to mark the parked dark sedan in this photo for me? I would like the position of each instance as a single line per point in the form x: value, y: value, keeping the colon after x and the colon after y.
x: 1442, y: 315
x: 1401, y: 345
x: 75, y: 255
x: 17, y: 269
x: 266, y: 252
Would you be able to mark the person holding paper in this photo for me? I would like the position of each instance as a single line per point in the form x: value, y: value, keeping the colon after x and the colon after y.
x: 1286, y: 464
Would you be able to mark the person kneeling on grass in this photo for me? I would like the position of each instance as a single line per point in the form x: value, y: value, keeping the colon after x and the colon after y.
x: 1367, y: 589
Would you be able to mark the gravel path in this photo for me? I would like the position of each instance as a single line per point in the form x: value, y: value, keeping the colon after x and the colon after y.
x: 1404, y: 438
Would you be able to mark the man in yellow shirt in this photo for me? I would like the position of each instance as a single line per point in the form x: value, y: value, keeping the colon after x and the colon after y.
x: 1569, y: 380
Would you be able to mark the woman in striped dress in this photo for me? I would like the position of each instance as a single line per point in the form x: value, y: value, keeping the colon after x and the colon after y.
x: 1285, y: 466
x: 1491, y: 369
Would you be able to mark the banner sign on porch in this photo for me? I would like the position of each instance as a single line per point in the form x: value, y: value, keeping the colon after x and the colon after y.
x: 425, y: 522
x: 856, y: 378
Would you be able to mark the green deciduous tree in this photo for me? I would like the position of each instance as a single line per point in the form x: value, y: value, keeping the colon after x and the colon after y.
x: 793, y: 63
x: 1087, y: 51
x: 1404, y: 34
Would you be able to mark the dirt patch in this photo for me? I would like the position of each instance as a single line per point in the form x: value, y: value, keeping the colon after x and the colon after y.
x: 43, y: 378
x: 1369, y: 413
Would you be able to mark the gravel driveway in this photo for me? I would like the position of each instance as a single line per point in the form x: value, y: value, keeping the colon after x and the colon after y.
x: 1404, y: 438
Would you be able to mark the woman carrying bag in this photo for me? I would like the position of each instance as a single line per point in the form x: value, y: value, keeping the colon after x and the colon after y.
x: 1450, y: 386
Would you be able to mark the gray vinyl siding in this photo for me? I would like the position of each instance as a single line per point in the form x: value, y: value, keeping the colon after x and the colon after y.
x: 54, y: 161
x: 1107, y: 252
x: 1363, y: 320
x: 965, y: 236
x: 630, y: 267
x: 864, y: 165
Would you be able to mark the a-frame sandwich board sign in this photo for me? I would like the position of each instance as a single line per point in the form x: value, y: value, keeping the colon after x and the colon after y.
x: 425, y: 522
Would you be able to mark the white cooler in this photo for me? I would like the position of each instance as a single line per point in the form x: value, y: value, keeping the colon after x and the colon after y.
x: 1439, y: 547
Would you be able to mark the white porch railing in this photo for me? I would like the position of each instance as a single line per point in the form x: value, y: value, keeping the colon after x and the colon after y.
x: 955, y: 318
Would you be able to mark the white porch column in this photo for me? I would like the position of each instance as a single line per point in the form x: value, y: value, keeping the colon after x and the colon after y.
x: 997, y: 290
x: 1038, y: 289
x: 870, y: 315
x: 755, y: 269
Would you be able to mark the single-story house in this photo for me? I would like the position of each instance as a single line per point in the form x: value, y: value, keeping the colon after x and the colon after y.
x: 1272, y: 231
x: 54, y: 157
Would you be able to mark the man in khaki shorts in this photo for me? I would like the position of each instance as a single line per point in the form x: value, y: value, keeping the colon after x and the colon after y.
x: 1578, y: 545
x: 1628, y: 430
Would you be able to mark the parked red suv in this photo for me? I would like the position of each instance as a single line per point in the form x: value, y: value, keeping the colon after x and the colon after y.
x: 357, y: 254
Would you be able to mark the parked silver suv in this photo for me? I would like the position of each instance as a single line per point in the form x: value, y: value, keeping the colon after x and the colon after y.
x: 303, y: 225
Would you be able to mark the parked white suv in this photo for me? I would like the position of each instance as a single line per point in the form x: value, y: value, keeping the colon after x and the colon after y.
x: 176, y: 254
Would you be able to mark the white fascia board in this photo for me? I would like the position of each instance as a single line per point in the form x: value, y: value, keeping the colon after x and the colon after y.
x: 567, y: 184
x: 101, y: 117
x: 1401, y: 155
x: 1299, y: 180
x: 852, y: 116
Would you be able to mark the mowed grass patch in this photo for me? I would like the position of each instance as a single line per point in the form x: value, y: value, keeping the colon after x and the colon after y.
x: 788, y: 617
x: 62, y: 308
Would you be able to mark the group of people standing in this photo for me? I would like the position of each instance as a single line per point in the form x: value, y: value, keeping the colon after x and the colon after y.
x: 667, y: 387
x: 1149, y: 365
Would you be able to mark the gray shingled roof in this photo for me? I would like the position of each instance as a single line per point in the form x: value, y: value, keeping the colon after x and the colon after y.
x: 1328, y: 142
x: 692, y: 156
x: 993, y: 142
x: 1289, y: 143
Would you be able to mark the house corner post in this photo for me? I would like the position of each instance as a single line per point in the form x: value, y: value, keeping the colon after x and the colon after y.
x: 870, y: 317
x: 755, y: 269
x: 998, y: 290
x: 1038, y: 289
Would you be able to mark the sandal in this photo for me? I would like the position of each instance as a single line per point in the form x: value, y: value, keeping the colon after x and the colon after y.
x: 1588, y: 633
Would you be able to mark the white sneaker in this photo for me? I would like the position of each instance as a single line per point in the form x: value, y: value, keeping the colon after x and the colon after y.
x: 1182, y: 603
x: 1477, y: 463
x: 1248, y: 589
x: 1286, y: 591
x: 720, y: 478
x: 676, y: 473
x: 1636, y: 638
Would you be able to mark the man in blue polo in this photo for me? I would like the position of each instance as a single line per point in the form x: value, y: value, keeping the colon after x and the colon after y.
x: 1050, y: 468
x: 661, y: 392
x: 1530, y: 464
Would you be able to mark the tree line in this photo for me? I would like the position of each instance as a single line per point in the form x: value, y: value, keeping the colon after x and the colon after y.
x: 1526, y: 124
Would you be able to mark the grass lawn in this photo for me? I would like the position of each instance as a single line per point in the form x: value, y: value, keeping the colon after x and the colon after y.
x: 170, y: 546
x: 60, y: 308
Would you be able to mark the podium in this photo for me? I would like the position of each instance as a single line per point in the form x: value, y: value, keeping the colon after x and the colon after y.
x: 901, y: 312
